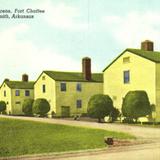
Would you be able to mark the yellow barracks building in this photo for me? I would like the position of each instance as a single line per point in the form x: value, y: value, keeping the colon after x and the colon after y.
x: 135, y: 69
x: 15, y: 92
x: 69, y: 92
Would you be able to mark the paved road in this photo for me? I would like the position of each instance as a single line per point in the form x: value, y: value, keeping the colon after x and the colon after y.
x: 137, y: 152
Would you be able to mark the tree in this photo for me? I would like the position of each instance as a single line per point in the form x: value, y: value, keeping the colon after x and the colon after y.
x: 114, y: 114
x: 99, y: 106
x: 41, y: 107
x: 136, y: 104
x: 27, y: 106
x: 2, y: 106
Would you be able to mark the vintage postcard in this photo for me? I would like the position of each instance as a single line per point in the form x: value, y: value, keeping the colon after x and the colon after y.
x: 79, y: 79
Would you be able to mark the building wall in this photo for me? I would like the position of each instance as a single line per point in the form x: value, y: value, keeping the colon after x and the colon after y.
x: 50, y: 90
x: 142, y: 77
x: 6, y: 98
x: 157, y: 111
x: 11, y: 100
x: 17, y: 101
x: 71, y: 95
x: 57, y: 98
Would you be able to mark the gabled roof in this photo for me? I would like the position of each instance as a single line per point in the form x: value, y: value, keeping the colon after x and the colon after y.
x: 153, y: 56
x: 73, y: 76
x: 19, y: 84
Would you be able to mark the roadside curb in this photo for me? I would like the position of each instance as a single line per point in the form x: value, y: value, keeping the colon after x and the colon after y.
x: 57, y: 155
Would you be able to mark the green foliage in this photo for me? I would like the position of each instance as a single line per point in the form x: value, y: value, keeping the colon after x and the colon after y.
x: 84, y: 115
x: 99, y: 106
x: 114, y: 114
x: 136, y: 104
x: 128, y: 120
x: 20, y: 137
x: 2, y: 106
x: 27, y: 106
x: 41, y: 107
x: 4, y: 112
x: 53, y: 114
x: 153, y: 107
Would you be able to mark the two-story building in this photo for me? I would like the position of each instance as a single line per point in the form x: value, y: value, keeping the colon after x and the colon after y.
x: 15, y: 92
x: 134, y: 69
x: 69, y: 92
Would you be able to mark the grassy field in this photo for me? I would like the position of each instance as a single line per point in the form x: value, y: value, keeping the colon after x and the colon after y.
x: 19, y: 137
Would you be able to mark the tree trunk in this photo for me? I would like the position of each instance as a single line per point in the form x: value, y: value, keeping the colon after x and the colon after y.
x: 136, y: 119
x: 99, y: 120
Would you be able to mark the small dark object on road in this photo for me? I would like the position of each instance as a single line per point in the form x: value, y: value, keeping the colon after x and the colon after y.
x: 108, y: 141
x: 77, y: 117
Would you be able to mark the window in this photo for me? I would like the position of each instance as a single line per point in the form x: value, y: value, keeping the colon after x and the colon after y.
x: 43, y: 77
x: 5, y: 94
x: 17, y: 92
x: 27, y: 93
x: 63, y: 87
x: 18, y: 102
x: 7, y: 102
x: 43, y: 88
x: 79, y: 103
x: 79, y: 88
x: 126, y: 59
x: 126, y: 77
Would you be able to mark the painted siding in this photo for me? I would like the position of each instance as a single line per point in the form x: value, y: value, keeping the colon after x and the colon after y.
x: 157, y: 92
x: 11, y: 99
x: 50, y: 90
x: 71, y: 95
x: 6, y: 98
x: 17, y: 101
x: 58, y: 98
x: 142, y: 77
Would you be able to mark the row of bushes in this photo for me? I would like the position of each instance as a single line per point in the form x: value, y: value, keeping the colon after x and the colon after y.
x: 31, y: 107
x: 38, y: 107
x: 135, y: 104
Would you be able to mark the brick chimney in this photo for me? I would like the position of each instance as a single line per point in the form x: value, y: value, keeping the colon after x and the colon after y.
x: 25, y: 78
x: 86, y: 68
x: 147, y: 45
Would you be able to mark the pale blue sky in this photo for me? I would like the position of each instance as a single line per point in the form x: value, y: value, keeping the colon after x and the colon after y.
x: 72, y: 29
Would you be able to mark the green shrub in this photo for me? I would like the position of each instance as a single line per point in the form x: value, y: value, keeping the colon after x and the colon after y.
x: 84, y: 115
x: 128, y: 120
x: 136, y: 104
x: 99, y: 106
x: 114, y: 114
x: 27, y: 107
x: 53, y: 114
x: 41, y: 107
x: 153, y: 107
x: 2, y: 106
x: 4, y: 112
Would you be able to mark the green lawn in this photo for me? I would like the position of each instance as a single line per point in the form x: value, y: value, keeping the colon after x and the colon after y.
x: 19, y: 137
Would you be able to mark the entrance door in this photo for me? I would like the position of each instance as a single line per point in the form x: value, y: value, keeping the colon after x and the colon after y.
x: 65, y: 111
